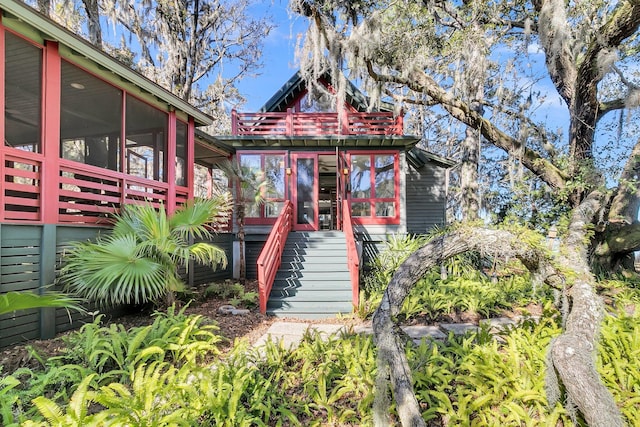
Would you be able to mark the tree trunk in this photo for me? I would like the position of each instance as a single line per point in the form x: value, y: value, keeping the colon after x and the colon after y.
x: 470, y: 158
x: 573, y: 352
x: 93, y: 22
x: 240, y: 212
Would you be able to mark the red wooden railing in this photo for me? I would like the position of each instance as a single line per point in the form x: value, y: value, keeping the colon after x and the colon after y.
x: 20, y: 183
x: 271, y: 256
x: 352, y: 253
x: 315, y: 124
x: 85, y: 194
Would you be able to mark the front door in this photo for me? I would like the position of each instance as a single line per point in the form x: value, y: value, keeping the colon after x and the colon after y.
x: 305, y: 191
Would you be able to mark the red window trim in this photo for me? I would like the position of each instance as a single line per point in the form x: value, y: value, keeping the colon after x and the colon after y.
x: 262, y: 220
x: 373, y: 219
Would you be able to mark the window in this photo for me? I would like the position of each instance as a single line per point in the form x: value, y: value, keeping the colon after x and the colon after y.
x: 208, y: 181
x: 374, y: 186
x: 22, y: 94
x: 146, y: 133
x: 266, y: 175
x: 90, y: 119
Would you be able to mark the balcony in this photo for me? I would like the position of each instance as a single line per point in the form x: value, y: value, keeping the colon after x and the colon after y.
x: 315, y: 124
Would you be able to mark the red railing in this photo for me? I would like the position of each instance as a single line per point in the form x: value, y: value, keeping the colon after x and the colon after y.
x: 315, y: 124
x: 352, y: 253
x: 271, y: 255
x: 85, y: 194
x: 20, y: 183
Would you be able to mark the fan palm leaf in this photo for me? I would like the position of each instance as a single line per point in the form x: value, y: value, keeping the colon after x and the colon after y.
x: 114, y: 271
x: 140, y: 260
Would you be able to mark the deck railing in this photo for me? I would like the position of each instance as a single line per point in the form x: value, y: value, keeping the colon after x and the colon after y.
x: 315, y: 124
x: 271, y: 255
x: 353, y: 260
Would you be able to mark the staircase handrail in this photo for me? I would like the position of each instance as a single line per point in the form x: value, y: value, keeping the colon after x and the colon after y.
x: 271, y: 255
x: 353, y: 260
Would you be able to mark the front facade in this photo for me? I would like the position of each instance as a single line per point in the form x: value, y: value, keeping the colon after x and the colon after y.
x: 320, y: 159
x: 83, y: 135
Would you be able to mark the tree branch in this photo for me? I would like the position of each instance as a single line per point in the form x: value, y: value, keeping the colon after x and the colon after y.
x: 418, y: 81
x: 390, y: 345
x: 557, y: 41
x: 623, y: 23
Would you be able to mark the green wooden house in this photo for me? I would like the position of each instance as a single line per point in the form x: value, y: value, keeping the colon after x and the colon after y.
x: 340, y: 180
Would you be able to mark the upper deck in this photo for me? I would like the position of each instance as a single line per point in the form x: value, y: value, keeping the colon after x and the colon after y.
x: 292, y: 123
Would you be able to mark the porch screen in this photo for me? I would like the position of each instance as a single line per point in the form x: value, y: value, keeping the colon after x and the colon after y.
x: 264, y: 187
x: 374, y: 186
x: 146, y: 143
x: 22, y: 94
x: 181, y: 153
x: 90, y: 119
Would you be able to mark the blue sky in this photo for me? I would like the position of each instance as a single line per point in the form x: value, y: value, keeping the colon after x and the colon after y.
x: 278, y: 56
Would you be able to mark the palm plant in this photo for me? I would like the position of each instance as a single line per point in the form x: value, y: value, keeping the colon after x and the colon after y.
x: 139, y: 261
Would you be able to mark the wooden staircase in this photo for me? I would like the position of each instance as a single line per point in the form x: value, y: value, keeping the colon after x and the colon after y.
x: 313, y: 281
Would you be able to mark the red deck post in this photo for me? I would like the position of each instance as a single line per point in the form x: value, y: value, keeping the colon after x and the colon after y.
x: 399, y: 125
x: 234, y: 122
x: 345, y: 122
x: 50, y: 178
x: 171, y: 163
x: 289, y: 122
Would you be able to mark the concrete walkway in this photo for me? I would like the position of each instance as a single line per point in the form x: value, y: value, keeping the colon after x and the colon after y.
x: 290, y: 333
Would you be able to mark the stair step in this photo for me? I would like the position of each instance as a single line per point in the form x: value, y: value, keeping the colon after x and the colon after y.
x: 313, y: 280
x: 328, y: 286
x: 306, y: 295
x: 304, y: 275
x: 299, y: 308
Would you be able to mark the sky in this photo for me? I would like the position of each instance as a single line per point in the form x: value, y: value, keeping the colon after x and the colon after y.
x: 278, y: 56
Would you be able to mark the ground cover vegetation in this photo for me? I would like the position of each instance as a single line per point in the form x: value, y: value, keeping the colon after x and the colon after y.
x: 173, y: 371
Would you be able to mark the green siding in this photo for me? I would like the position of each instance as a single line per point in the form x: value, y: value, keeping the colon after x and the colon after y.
x: 30, y: 256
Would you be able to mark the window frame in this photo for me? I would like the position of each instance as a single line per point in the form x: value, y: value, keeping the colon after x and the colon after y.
x: 373, y: 219
x: 262, y: 219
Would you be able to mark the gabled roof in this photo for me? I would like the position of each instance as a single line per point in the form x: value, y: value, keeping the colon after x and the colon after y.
x: 296, y: 85
x: 50, y: 30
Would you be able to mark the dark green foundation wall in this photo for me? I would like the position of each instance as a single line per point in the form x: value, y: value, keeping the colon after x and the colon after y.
x: 30, y: 256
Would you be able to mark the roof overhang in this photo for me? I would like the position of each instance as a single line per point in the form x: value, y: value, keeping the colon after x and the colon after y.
x: 209, y: 150
x: 50, y: 30
x: 360, y: 141
x: 418, y: 157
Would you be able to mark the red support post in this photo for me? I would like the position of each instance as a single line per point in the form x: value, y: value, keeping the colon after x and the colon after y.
x: 399, y: 125
x: 234, y: 122
x: 289, y: 125
x: 345, y: 122
x: 171, y: 163
x: 50, y: 175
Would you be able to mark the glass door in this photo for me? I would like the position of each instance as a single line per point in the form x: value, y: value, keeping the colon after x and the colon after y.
x: 305, y: 191
x: 342, y: 185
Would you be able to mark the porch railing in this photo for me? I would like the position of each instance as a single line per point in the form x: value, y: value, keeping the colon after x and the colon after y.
x: 292, y: 123
x: 352, y: 253
x: 271, y: 256
x: 85, y: 194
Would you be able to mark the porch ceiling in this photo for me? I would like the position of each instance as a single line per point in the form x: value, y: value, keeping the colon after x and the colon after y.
x: 359, y: 141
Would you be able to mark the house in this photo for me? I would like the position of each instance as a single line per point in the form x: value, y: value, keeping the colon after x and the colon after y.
x: 83, y: 135
x: 339, y: 182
